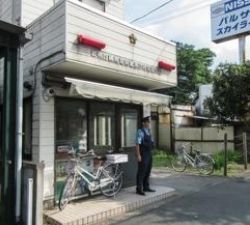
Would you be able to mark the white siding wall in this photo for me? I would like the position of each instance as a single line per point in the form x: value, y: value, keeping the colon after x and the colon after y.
x: 32, y: 9
x: 48, y: 38
x: 10, y: 11
x: 6, y: 10
x: 148, y: 49
x: 115, y: 8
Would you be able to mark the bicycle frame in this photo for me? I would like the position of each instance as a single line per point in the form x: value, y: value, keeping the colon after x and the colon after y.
x: 91, y: 185
x: 189, y: 159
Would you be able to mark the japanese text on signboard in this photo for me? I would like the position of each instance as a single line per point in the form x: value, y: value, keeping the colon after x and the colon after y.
x: 229, y: 19
x: 234, y: 22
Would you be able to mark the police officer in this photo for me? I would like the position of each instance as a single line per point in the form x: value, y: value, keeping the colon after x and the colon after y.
x: 144, y: 147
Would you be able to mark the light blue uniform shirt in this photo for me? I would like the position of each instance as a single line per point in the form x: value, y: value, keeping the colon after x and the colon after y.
x: 140, y: 135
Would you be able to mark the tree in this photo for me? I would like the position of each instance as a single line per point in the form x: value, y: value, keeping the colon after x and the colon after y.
x: 231, y: 92
x: 193, y: 69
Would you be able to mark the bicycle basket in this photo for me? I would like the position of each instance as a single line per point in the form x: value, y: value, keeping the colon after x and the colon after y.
x: 179, y: 150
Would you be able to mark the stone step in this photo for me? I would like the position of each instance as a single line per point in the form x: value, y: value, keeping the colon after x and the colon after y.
x: 100, y: 209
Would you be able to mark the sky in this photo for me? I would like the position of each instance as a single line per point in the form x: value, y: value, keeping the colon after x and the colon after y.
x: 187, y: 21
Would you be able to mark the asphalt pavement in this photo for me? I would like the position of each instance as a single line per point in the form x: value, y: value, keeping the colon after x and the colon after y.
x: 200, y: 200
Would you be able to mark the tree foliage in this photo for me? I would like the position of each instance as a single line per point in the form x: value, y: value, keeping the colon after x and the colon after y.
x: 231, y: 92
x: 193, y: 69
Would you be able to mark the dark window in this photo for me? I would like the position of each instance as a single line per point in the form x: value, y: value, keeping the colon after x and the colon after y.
x: 71, y: 125
x: 97, y: 4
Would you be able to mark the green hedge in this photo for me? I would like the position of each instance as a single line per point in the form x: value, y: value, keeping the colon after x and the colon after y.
x: 161, y: 158
x: 232, y: 156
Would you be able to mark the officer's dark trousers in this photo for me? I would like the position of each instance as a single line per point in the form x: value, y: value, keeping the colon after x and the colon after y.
x: 144, y: 170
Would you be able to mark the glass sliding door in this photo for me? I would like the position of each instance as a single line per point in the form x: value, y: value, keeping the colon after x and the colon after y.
x: 71, y: 135
x: 155, y: 128
x: 127, y: 125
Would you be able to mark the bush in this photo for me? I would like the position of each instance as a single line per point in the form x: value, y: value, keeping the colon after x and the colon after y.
x: 232, y: 156
x: 161, y: 158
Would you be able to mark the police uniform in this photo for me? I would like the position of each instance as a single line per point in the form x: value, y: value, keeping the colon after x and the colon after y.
x: 145, y: 141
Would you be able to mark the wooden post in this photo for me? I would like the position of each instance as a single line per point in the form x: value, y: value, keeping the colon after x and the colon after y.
x: 225, y: 154
x: 244, y: 137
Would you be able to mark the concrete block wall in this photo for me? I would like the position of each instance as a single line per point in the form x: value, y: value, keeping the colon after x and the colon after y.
x: 164, y: 131
x: 205, y: 139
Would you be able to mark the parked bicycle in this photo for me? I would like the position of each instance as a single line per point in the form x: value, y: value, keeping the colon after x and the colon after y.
x: 108, y: 179
x: 203, y: 162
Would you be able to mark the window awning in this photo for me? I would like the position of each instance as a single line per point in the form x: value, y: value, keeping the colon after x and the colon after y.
x: 89, y: 89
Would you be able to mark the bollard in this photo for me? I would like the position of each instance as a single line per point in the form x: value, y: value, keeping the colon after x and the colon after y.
x: 225, y: 154
x: 30, y: 201
x: 244, y: 136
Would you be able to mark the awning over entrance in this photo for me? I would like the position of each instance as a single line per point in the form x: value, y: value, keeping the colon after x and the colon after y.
x: 89, y: 89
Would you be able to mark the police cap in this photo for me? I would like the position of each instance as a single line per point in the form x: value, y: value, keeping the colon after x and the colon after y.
x: 146, y: 119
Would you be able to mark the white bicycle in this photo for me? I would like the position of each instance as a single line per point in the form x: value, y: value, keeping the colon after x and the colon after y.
x: 108, y: 179
x: 203, y: 162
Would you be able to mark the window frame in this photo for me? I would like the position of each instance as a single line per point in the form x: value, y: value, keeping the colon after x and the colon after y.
x: 27, y: 156
x: 155, y: 117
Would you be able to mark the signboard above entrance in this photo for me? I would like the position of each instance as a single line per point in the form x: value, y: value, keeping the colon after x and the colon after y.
x: 230, y: 19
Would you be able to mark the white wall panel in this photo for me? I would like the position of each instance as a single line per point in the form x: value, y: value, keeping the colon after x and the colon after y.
x: 115, y: 8
x: 148, y: 49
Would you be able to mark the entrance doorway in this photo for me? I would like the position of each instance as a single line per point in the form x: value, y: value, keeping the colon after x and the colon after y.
x: 83, y: 124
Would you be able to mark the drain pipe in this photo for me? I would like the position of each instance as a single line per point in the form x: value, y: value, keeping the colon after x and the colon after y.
x: 19, y: 132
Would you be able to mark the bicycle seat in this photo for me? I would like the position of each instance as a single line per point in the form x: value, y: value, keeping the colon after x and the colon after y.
x: 197, y: 151
x: 100, y: 157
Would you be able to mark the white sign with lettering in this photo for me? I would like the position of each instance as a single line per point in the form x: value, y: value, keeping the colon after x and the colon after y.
x: 230, y: 19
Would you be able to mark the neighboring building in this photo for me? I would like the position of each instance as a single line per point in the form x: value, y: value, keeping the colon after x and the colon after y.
x: 89, y: 91
x: 198, y: 132
x: 12, y: 37
x: 182, y: 115
x: 205, y: 91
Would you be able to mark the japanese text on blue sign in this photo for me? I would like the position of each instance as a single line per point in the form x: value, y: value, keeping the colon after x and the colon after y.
x: 234, y: 22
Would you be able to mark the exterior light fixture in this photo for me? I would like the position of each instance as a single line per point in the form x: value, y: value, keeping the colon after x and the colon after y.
x: 166, y: 66
x: 85, y: 40
x: 132, y: 39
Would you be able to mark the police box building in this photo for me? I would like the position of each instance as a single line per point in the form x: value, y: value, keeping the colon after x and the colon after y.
x: 89, y: 78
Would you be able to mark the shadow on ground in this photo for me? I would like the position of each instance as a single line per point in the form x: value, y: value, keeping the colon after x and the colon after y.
x: 226, y: 203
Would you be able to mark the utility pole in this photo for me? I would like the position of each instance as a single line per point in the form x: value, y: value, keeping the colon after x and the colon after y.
x: 242, y: 49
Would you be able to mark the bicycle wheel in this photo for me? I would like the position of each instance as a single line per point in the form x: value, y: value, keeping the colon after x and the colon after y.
x: 205, y: 164
x: 111, y: 180
x: 178, y: 163
x: 67, y: 191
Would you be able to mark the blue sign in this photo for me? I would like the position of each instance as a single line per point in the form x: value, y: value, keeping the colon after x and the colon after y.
x: 235, y: 4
